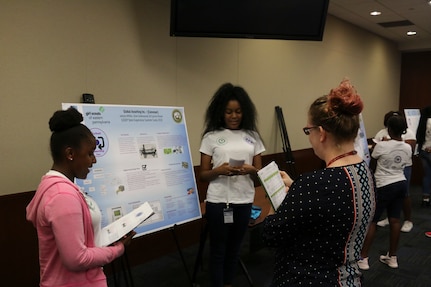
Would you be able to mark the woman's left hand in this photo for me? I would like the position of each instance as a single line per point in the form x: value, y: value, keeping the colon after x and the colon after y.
x: 286, y: 179
x: 246, y: 169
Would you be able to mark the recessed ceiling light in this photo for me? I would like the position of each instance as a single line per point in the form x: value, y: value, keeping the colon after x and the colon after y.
x: 375, y: 13
x: 411, y: 33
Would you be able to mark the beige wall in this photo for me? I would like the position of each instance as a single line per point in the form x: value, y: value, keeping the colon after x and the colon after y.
x: 120, y: 50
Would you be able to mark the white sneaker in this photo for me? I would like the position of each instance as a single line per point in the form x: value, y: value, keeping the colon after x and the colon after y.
x: 363, y: 263
x: 391, y: 261
x: 383, y: 223
x: 407, y: 226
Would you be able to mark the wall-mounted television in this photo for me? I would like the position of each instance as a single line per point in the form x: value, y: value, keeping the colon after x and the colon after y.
x: 259, y: 19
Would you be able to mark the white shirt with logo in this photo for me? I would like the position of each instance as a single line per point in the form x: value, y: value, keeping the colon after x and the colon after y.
x: 392, y: 156
x: 222, y: 146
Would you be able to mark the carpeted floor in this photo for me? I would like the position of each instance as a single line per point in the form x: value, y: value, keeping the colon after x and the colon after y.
x: 414, y: 259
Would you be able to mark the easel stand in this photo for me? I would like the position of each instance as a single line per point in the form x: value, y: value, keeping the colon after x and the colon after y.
x: 290, y: 161
x: 125, y: 274
x: 199, y: 257
x: 172, y: 229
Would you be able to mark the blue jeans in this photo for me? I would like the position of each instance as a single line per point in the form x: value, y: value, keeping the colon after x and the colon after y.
x: 426, y: 164
x: 225, y: 240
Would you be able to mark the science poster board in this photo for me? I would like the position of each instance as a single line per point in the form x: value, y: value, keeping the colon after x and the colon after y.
x: 361, y: 142
x: 143, y: 155
x: 412, y: 118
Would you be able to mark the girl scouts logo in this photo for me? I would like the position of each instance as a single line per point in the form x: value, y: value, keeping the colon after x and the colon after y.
x: 221, y: 141
x: 397, y: 159
x: 177, y: 116
x: 102, y: 143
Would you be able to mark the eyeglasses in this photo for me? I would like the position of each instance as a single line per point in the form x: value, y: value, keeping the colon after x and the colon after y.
x: 308, y: 129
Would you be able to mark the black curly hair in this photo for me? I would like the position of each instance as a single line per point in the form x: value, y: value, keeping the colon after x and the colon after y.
x: 214, y: 116
x: 67, y: 131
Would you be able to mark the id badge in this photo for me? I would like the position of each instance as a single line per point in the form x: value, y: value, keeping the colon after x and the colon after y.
x: 228, y: 215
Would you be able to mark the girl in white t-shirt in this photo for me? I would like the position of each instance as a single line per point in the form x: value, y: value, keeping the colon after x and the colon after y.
x: 410, y: 138
x: 392, y: 157
x: 230, y: 157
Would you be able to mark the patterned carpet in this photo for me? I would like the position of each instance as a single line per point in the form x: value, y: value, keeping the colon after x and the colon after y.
x: 414, y: 259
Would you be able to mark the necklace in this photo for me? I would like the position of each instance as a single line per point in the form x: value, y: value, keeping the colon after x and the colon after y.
x: 352, y: 152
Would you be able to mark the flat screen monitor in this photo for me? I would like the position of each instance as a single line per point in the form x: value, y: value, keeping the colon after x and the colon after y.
x: 255, y: 19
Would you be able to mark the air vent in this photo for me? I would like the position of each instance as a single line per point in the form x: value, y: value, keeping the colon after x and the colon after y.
x: 396, y: 24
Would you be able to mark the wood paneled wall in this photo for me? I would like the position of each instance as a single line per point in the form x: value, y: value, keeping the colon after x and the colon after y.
x: 415, y: 92
x: 415, y: 83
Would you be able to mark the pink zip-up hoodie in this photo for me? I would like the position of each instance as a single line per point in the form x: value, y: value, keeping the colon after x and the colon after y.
x: 68, y: 256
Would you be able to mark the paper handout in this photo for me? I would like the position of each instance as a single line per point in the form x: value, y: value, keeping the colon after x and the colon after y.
x: 273, y: 184
x: 120, y: 227
x: 236, y: 162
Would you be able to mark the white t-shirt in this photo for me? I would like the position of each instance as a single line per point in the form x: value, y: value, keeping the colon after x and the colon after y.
x: 392, y: 156
x: 231, y: 144
x: 96, y: 218
x: 383, y: 133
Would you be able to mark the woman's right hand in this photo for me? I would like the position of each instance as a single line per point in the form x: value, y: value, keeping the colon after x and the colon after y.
x: 226, y: 169
x: 127, y: 239
x: 286, y: 179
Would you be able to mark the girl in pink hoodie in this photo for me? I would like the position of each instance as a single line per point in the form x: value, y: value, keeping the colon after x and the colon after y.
x: 68, y: 255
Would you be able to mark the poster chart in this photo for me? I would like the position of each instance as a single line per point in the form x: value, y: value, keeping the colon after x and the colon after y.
x: 143, y: 155
x: 361, y: 142
x: 412, y: 117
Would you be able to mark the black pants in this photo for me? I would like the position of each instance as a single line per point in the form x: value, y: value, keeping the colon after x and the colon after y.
x: 225, y: 240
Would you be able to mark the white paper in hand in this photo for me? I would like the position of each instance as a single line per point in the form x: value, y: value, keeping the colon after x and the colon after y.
x: 117, y: 229
x: 236, y: 162
x: 273, y: 184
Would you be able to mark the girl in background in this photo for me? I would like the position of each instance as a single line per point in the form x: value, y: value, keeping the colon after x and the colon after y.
x: 410, y: 138
x: 392, y: 157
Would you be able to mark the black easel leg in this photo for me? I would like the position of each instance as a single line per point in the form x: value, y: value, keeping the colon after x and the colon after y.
x: 244, y: 268
x: 124, y: 271
x: 127, y: 271
x: 114, y: 274
x: 199, y: 259
x: 181, y: 254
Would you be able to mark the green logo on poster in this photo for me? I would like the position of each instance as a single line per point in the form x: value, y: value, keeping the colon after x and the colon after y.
x: 177, y: 116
